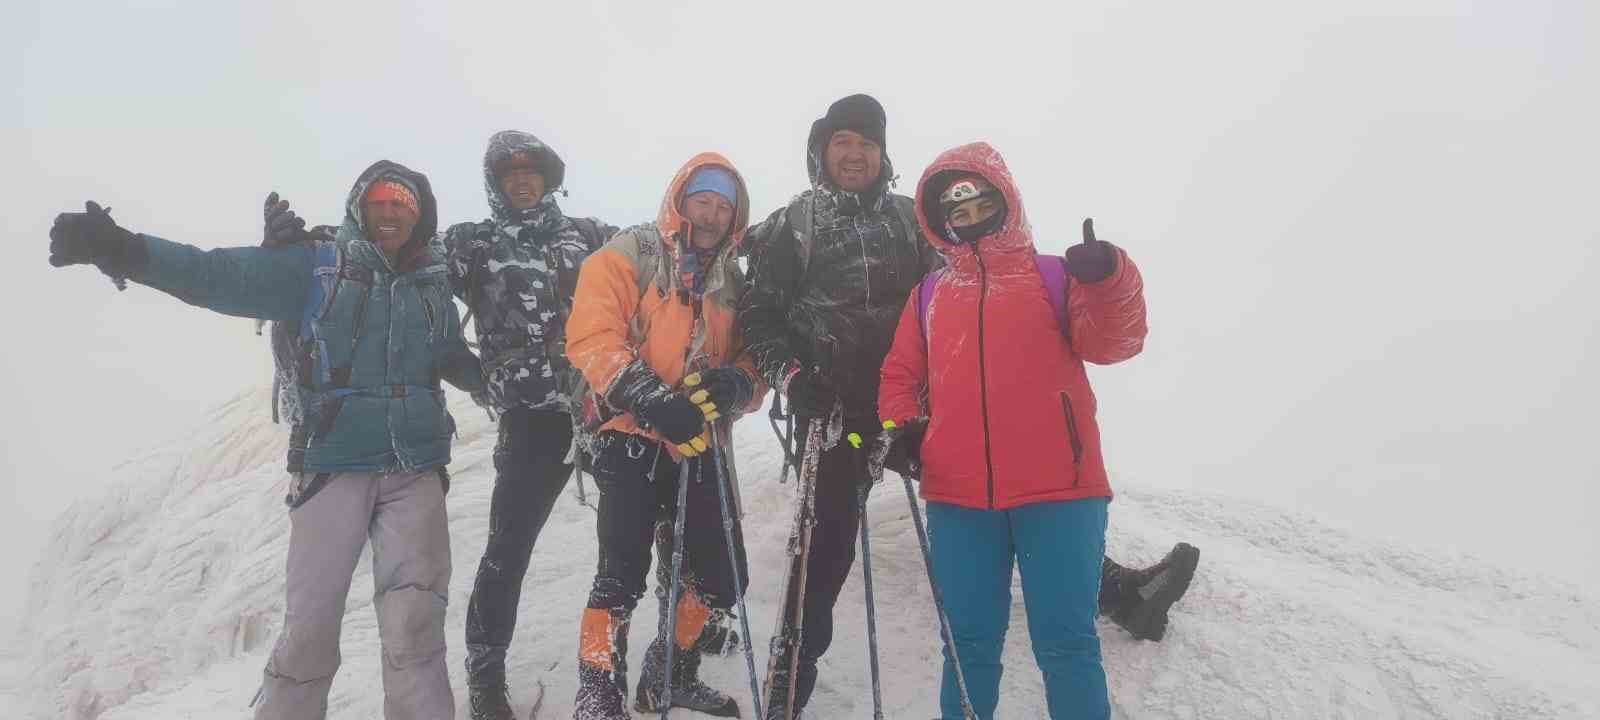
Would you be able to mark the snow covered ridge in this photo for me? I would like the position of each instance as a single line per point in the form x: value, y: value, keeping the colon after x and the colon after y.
x: 160, y: 600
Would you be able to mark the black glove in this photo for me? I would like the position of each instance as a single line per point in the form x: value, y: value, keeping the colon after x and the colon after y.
x: 810, y: 395
x: 639, y: 390
x: 281, y: 226
x: 1092, y: 260
x: 718, y: 389
x: 93, y: 237
x: 905, y: 450
x: 677, y: 419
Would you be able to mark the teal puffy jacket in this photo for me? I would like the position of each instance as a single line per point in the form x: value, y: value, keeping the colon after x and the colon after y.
x: 385, y: 336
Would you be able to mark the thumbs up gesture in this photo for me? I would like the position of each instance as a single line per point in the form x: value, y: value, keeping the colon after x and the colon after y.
x: 1092, y: 260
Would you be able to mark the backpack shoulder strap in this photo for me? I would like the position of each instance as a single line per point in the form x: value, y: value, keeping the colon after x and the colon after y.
x: 906, y: 209
x: 589, y: 228
x: 924, y: 297
x: 799, y: 218
x: 1053, y: 271
x: 325, y: 270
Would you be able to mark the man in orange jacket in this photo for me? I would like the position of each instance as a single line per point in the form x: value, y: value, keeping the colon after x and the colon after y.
x: 653, y: 309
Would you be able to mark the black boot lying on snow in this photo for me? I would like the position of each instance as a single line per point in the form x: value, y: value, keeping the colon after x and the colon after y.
x: 1138, y: 600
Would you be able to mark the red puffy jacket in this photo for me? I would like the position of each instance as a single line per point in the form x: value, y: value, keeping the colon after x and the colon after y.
x: 1011, y: 414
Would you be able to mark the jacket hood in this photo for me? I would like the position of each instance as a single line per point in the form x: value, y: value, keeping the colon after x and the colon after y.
x: 671, y: 223
x: 427, y: 220
x: 501, y: 146
x: 979, y: 158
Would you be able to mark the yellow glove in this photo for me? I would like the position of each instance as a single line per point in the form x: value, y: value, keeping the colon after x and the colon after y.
x: 701, y: 398
x: 694, y: 447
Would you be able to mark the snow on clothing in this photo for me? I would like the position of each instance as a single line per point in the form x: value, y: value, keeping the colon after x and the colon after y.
x: 1011, y: 414
x: 836, y: 303
x: 639, y: 342
x: 840, y: 473
x: 1057, y: 546
x: 404, y: 515
x: 390, y: 331
x: 530, y: 471
x: 516, y: 271
x: 620, y: 335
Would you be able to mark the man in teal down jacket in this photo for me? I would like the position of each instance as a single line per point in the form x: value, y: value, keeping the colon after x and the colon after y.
x: 382, y: 334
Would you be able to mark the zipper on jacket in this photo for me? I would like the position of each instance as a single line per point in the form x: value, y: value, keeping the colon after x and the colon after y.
x: 1073, y: 438
x: 983, y: 375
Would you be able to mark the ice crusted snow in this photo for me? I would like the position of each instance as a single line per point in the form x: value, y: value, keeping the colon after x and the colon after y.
x: 160, y: 599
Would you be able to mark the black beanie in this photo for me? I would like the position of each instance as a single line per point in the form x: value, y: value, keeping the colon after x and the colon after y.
x: 861, y: 113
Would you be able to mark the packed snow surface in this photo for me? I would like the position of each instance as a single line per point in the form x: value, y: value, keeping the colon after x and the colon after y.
x: 160, y: 599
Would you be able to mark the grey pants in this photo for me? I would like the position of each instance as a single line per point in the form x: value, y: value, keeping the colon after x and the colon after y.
x: 404, y: 514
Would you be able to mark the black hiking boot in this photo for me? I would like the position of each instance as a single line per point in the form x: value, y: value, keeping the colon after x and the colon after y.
x: 489, y: 702
x: 777, y: 693
x: 1138, y: 600
x: 600, y: 694
x: 687, y: 690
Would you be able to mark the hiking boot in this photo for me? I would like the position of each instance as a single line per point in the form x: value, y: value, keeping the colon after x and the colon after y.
x: 777, y: 692
x: 600, y: 695
x: 687, y: 690
x: 1138, y: 600
x: 489, y: 703
x: 602, y: 665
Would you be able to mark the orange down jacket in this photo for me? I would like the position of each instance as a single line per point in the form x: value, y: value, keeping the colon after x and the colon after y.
x: 615, y: 322
x: 1011, y: 417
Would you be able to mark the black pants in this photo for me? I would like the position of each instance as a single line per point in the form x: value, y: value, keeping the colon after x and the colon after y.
x: 638, y: 484
x: 841, y: 472
x: 529, y: 476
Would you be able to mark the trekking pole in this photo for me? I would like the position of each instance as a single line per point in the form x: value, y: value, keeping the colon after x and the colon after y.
x: 938, y: 602
x: 677, y: 587
x: 786, y: 441
x: 866, y: 577
x: 723, y: 489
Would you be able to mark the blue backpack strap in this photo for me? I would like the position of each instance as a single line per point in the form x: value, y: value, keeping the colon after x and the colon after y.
x: 324, y: 275
x: 1053, y: 271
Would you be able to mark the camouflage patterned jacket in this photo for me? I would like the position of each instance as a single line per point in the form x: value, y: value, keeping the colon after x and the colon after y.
x: 516, y: 271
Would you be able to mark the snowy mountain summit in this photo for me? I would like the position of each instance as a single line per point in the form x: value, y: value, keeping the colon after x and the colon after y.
x: 161, y: 598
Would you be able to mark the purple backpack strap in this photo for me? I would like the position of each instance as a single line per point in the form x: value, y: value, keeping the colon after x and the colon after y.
x: 925, y: 296
x: 1053, y: 271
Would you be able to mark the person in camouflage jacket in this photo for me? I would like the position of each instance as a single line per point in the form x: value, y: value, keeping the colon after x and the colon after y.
x: 516, y: 271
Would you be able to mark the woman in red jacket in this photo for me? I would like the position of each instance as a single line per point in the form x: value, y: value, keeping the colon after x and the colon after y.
x: 1011, y: 457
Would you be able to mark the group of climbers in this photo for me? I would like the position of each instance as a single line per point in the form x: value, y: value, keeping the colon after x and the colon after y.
x: 927, y: 325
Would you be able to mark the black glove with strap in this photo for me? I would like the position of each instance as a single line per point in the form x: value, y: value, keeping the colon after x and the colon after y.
x: 280, y: 225
x: 810, y: 395
x: 720, y: 388
x: 905, y: 447
x: 1092, y: 260
x: 639, y: 390
x: 93, y: 237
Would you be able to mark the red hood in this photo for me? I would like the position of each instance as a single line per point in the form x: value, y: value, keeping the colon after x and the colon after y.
x: 980, y: 158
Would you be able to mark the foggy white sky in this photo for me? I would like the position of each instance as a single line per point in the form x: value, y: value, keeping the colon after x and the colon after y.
x: 1366, y: 227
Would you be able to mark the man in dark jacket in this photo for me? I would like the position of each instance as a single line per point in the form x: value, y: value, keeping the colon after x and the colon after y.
x: 378, y: 431
x: 829, y: 274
